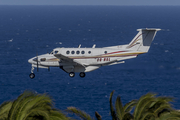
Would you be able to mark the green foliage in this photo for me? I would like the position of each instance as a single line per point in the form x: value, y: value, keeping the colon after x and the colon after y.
x: 4, y: 110
x: 121, y: 112
x: 33, y: 106
x: 30, y: 106
x: 83, y: 115
x: 150, y: 107
x: 113, y: 112
x: 173, y: 115
x: 98, y: 116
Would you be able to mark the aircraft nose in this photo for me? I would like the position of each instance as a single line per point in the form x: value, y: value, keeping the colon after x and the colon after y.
x: 30, y: 61
x: 33, y: 60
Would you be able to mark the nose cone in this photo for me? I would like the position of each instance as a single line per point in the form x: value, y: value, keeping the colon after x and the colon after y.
x: 30, y: 61
x: 33, y: 60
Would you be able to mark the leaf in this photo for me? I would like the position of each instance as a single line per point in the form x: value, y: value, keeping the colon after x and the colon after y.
x: 113, y: 114
x: 4, y: 109
x: 119, y: 108
x: 129, y: 106
x: 79, y: 113
x: 98, y: 116
x: 143, y: 103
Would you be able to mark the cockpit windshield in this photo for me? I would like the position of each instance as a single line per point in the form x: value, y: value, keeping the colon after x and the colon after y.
x: 54, y: 52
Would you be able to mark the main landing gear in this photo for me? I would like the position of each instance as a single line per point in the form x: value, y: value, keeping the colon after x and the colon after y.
x: 71, y: 74
x: 81, y: 74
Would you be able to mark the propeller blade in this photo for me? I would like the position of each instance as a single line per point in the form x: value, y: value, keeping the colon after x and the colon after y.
x: 37, y: 63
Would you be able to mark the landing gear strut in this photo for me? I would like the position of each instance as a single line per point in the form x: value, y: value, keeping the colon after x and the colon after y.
x: 71, y: 74
x: 82, y: 74
x: 32, y: 75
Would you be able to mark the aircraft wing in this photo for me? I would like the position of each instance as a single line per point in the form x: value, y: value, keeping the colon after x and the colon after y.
x: 67, y: 59
x: 113, y: 62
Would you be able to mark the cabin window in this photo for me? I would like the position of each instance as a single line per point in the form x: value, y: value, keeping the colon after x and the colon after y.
x: 82, y: 52
x: 43, y: 59
x: 89, y: 52
x: 67, y: 52
x: 77, y: 52
x: 105, y: 52
x: 72, y: 52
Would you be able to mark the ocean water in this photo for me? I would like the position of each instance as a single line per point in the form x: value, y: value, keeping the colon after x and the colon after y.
x: 26, y: 30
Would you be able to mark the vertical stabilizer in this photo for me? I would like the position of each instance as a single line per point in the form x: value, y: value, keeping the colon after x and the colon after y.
x: 142, y: 41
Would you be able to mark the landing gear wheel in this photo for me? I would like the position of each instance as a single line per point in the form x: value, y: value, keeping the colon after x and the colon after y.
x: 71, y: 74
x: 32, y: 75
x: 82, y: 74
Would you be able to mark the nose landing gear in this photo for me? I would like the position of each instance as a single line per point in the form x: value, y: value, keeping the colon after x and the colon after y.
x: 32, y: 75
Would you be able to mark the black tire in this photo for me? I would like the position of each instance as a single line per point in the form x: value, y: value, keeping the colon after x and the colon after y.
x: 82, y: 74
x: 71, y: 74
x: 32, y: 75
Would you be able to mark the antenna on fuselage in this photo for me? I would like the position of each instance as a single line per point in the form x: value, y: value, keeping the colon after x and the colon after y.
x: 94, y: 46
x: 79, y: 46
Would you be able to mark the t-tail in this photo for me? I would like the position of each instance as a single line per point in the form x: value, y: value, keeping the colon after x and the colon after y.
x: 142, y: 41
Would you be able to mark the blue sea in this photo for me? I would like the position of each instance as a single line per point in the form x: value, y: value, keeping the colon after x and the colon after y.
x: 28, y: 30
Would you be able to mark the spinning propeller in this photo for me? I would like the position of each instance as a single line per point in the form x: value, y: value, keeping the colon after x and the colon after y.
x: 37, y: 62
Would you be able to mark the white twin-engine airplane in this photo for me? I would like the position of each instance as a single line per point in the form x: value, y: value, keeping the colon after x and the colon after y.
x: 83, y: 60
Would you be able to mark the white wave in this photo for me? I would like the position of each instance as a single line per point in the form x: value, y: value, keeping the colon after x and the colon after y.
x: 10, y: 40
x: 59, y: 43
x: 161, y: 66
x: 178, y: 68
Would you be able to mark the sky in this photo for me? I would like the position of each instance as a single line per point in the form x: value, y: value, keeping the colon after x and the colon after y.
x: 91, y: 2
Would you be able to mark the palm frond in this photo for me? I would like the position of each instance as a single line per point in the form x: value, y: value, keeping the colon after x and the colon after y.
x: 143, y: 103
x: 79, y: 113
x: 98, y: 116
x: 113, y: 113
x: 129, y: 106
x: 173, y: 115
x: 57, y: 115
x: 159, y: 110
x: 5, y: 108
x: 119, y: 108
x: 35, y: 113
x: 148, y: 116
x: 12, y: 113
x: 127, y: 116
